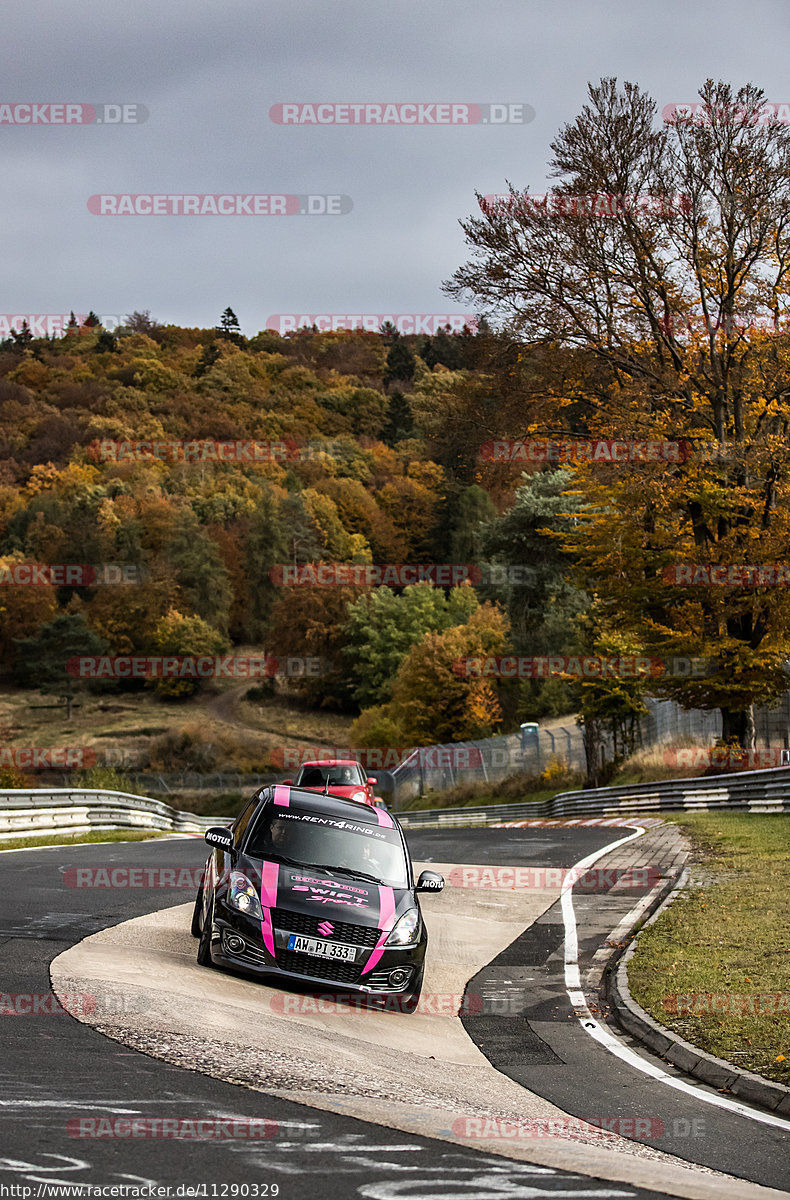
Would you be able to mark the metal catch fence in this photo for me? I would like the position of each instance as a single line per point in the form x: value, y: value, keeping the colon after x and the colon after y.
x: 439, y: 768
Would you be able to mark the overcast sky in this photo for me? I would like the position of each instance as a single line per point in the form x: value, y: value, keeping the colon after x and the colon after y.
x: 209, y: 71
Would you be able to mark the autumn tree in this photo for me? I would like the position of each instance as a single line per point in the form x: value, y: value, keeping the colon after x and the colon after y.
x: 183, y: 634
x: 141, y: 322
x: 23, y: 610
x: 664, y: 253
x: 431, y: 701
x: 198, y: 568
x: 307, y: 623
x: 382, y: 626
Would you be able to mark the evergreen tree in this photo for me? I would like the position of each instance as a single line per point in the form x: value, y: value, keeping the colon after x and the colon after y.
x: 400, y: 422
x: 45, y: 658
x: 24, y: 337
x: 201, y: 574
x: 401, y: 363
x: 229, y: 326
x: 475, y: 509
x: 208, y: 356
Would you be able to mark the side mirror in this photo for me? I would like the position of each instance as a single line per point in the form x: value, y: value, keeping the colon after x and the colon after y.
x: 219, y: 836
x: 288, y: 781
x: 429, y: 881
x: 371, y: 779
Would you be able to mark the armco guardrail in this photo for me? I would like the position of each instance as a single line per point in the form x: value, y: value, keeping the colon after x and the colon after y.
x: 750, y: 791
x: 79, y: 810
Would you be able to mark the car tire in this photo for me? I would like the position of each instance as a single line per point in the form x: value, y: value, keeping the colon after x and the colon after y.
x: 204, y: 945
x: 196, y: 927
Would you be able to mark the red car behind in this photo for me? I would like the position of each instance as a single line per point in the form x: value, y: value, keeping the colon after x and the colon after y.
x: 337, y: 777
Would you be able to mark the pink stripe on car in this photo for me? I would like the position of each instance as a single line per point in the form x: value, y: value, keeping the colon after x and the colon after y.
x: 386, y: 922
x: 282, y: 795
x: 269, y: 877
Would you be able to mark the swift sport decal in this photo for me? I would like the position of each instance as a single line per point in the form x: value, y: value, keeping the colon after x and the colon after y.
x: 323, y: 891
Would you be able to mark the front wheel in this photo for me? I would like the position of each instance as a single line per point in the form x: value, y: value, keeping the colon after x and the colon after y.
x: 196, y: 927
x: 204, y: 945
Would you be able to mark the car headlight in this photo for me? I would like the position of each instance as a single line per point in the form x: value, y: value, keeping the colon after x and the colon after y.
x: 362, y: 796
x: 243, y: 896
x: 406, y: 931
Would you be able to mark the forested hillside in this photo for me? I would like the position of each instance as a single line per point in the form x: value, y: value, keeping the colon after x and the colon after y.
x: 193, y: 468
x: 441, y: 536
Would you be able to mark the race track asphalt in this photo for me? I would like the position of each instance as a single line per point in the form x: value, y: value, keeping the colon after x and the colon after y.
x: 55, y: 1068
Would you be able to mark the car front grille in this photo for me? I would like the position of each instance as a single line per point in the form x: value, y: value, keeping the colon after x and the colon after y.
x: 318, y: 968
x: 307, y: 924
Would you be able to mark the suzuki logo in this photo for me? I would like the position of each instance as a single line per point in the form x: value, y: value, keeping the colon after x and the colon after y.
x: 326, y: 927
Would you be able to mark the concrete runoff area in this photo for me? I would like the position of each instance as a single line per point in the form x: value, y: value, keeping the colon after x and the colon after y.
x: 418, y: 1073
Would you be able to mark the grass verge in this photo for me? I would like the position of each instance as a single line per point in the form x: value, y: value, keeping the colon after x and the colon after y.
x: 715, y: 966
x: 77, y: 839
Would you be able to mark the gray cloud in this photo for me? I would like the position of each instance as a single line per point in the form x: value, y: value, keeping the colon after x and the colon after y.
x: 209, y: 75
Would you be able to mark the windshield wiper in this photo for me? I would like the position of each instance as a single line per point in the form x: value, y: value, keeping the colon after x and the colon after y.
x: 358, y: 874
x: 306, y: 866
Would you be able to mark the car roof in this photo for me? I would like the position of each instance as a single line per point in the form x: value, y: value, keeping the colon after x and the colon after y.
x: 331, y: 762
x: 321, y: 803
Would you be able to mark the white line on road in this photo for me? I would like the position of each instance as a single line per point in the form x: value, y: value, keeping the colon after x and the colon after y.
x: 602, y: 1035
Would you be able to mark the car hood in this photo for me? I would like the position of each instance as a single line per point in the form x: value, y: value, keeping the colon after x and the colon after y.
x: 317, y: 894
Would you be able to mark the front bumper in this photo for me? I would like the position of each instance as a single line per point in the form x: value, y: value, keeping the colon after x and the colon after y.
x: 307, y: 970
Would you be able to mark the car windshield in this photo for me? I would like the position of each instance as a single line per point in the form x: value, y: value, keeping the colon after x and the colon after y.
x: 345, y: 776
x: 313, y: 840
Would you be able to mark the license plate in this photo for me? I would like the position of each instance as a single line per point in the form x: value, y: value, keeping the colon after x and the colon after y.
x: 319, y: 949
